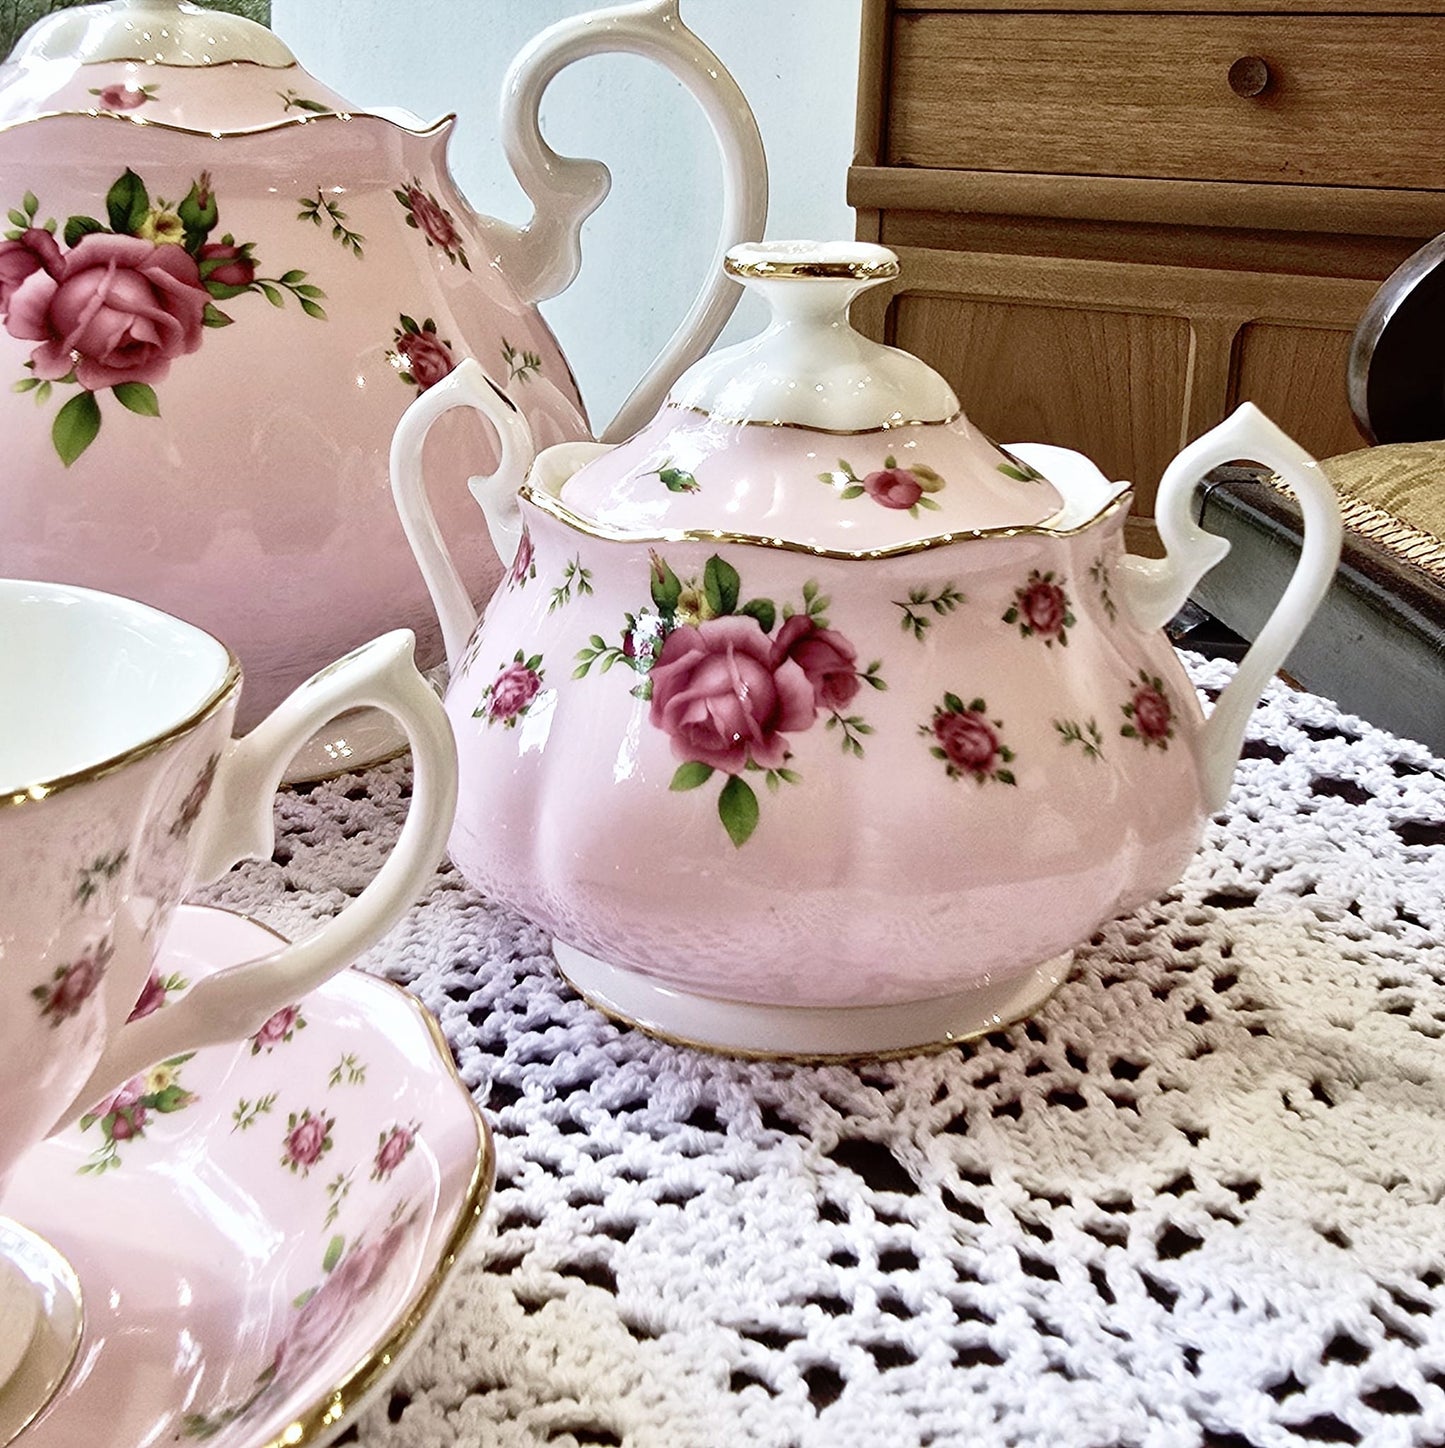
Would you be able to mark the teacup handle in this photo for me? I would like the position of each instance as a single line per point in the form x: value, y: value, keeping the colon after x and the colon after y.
x: 467, y: 385
x: 1154, y: 589
x: 237, y: 821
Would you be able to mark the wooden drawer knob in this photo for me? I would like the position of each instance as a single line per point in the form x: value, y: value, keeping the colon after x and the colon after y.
x: 1249, y: 76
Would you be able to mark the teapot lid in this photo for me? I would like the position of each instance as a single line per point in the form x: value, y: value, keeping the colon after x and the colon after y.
x: 810, y: 433
x: 164, y: 62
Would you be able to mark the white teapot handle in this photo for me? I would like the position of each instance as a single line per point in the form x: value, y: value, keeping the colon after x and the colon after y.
x: 467, y: 385
x: 1154, y: 589
x: 544, y: 256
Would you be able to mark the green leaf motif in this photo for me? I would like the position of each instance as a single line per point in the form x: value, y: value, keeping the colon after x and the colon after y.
x: 334, y: 1249
x: 213, y: 316
x: 678, y: 480
x: 79, y: 226
x: 953, y: 703
x: 666, y: 587
x: 691, y: 775
x: 720, y: 584
x: 737, y: 807
x: 762, y: 610
x: 127, y: 204
x: 76, y: 426
x: 137, y: 397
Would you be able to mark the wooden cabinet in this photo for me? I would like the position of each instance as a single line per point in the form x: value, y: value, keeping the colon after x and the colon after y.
x: 1120, y: 218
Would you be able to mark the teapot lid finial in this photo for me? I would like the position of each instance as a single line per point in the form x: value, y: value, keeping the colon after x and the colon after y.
x: 153, y: 32
x: 810, y: 367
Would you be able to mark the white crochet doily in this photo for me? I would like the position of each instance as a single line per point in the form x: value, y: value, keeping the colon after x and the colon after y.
x: 1198, y: 1200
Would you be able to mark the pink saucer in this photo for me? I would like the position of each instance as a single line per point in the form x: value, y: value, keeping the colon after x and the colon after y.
x: 260, y: 1230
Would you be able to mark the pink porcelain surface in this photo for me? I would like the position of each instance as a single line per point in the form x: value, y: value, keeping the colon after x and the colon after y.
x: 906, y: 736
x: 259, y: 1229
x: 220, y: 288
x: 808, y: 720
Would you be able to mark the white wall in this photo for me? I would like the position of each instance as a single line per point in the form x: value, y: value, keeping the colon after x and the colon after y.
x: 646, y: 251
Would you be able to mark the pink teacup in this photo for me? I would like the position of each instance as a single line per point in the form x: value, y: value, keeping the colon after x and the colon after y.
x: 120, y: 790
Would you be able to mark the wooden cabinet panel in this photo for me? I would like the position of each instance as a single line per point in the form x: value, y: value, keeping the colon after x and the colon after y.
x: 1295, y: 374
x: 1110, y: 384
x: 1148, y: 95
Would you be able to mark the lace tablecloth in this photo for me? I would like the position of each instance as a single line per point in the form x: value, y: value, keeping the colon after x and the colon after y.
x: 1198, y: 1200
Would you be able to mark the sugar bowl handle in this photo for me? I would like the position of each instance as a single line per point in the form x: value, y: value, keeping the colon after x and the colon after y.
x: 1155, y: 588
x: 467, y: 385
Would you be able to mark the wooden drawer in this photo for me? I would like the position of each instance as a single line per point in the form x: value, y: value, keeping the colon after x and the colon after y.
x: 1351, y: 100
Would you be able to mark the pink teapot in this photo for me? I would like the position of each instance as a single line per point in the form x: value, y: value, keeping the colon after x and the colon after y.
x: 221, y: 286
x: 809, y: 721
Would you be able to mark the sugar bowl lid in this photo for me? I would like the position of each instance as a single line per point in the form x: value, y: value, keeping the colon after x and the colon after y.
x: 811, y: 434
x: 165, y: 62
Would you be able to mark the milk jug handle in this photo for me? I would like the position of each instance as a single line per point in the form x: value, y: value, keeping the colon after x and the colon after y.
x: 543, y: 257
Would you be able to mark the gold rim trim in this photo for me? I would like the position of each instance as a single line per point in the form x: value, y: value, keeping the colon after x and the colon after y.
x: 553, y: 508
x: 286, y: 123
x: 888, y: 426
x: 764, y: 269
x: 326, y: 1414
x: 801, y: 1058
x: 43, y: 789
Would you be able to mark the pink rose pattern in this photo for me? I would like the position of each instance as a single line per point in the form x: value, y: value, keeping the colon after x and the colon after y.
x: 278, y: 1029
x: 1041, y: 609
x: 969, y: 742
x: 905, y: 489
x: 123, y: 96
x: 73, y: 985
x: 352, y: 1275
x: 731, y: 682
x: 110, y: 307
x: 307, y: 1140
x: 125, y: 1116
x: 190, y: 808
x: 419, y: 354
x: 524, y: 565
x: 433, y: 220
x: 391, y: 1150
x: 511, y: 694
x: 156, y: 991
x: 1148, y: 716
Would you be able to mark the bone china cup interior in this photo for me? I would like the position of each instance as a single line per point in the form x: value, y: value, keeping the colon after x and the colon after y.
x: 115, y: 724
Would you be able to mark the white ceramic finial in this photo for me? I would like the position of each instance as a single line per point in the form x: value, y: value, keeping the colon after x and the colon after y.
x: 157, y: 32
x: 810, y: 368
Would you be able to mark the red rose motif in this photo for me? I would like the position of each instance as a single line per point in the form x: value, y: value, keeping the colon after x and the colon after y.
x: 125, y: 1100
x: 1152, y: 714
x: 432, y: 219
x: 32, y: 251
x: 523, y: 561
x: 128, y: 1122
x: 120, y: 309
x: 824, y: 655
x: 276, y: 1028
x: 392, y: 1151
x: 190, y: 808
x: 121, y: 97
x: 74, y: 984
x: 427, y: 357
x: 1043, y: 607
x: 236, y: 268
x: 152, y: 998
x: 512, y: 690
x: 893, y: 487
x: 969, y: 740
x: 723, y: 700
x: 307, y: 1141
x: 330, y: 1309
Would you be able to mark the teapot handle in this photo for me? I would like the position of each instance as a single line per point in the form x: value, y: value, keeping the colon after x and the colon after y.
x: 467, y: 385
x: 543, y: 257
x: 1154, y: 589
